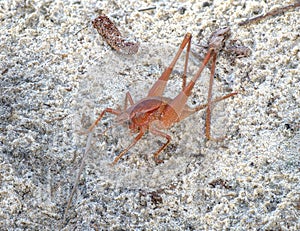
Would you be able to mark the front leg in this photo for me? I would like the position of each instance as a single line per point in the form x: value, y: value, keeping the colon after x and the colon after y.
x: 128, y: 98
x: 160, y: 133
x: 106, y: 110
x: 136, y: 139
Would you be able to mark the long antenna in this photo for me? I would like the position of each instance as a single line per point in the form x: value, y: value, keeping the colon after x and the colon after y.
x: 87, y: 148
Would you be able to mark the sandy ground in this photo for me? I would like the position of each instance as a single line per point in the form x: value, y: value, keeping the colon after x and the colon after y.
x: 58, y: 74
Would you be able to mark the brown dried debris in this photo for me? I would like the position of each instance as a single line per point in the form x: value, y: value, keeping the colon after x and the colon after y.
x: 107, y: 29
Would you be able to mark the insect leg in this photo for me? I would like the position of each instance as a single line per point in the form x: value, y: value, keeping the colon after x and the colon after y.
x: 128, y: 98
x: 209, y: 104
x: 189, y: 111
x: 186, y: 65
x: 160, y: 133
x: 136, y: 139
x: 159, y: 86
x: 107, y: 110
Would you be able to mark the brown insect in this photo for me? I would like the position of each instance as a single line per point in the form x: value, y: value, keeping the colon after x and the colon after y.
x: 107, y: 29
x: 156, y: 112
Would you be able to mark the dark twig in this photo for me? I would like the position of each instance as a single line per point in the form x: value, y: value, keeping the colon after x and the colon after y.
x: 147, y: 8
x: 271, y: 13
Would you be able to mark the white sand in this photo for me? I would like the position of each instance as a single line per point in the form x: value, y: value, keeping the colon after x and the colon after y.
x: 58, y: 74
